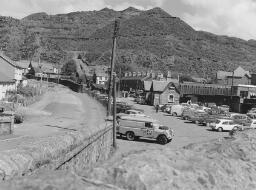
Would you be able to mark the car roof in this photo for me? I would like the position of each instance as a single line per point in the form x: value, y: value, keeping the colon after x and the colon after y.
x: 134, y: 110
x: 225, y: 119
x: 141, y: 119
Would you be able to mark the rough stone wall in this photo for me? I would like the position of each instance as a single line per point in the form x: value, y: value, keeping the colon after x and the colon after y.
x: 74, y: 149
x: 97, y: 148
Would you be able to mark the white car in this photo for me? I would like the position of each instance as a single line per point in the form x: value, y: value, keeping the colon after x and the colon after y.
x: 253, y: 124
x: 224, y: 125
x: 136, y: 113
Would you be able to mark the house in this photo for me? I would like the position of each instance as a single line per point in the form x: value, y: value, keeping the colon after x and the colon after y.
x: 163, y: 92
x: 100, y: 77
x: 238, y: 76
x: 11, y: 69
x: 7, y: 84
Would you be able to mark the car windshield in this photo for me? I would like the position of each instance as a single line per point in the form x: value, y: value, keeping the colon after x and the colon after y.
x: 218, y: 121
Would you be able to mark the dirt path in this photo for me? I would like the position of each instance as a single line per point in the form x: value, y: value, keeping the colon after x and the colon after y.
x: 60, y: 110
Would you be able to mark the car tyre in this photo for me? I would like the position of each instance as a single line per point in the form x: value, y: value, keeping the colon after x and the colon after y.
x: 220, y: 129
x: 162, y: 139
x: 130, y: 136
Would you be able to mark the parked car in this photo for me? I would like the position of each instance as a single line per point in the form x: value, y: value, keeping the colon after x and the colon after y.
x: 224, y: 108
x: 253, y: 124
x: 135, y: 127
x: 166, y: 108
x: 193, y: 115
x: 177, y: 110
x: 252, y: 113
x: 224, y: 125
x: 241, y: 119
x: 132, y: 112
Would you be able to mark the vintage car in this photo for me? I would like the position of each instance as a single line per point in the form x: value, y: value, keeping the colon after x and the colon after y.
x: 132, y: 112
x: 166, y: 108
x: 225, y: 125
x: 241, y: 119
x: 252, y: 113
x: 135, y: 127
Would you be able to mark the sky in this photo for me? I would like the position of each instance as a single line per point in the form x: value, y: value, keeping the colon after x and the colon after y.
x: 235, y: 18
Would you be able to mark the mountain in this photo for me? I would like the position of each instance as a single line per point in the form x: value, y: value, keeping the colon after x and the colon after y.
x: 151, y: 39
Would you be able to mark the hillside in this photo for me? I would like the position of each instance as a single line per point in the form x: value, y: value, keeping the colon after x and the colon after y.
x: 150, y: 39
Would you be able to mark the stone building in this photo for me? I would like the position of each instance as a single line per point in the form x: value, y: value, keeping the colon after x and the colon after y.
x: 163, y: 92
x: 238, y: 76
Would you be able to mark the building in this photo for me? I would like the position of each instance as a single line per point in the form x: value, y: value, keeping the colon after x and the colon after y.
x: 205, y: 93
x: 11, y: 69
x: 7, y: 84
x: 238, y: 76
x: 163, y: 92
x: 100, y: 77
x: 243, y: 97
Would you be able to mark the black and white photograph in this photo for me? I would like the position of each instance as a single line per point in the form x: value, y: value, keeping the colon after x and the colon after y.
x: 127, y: 94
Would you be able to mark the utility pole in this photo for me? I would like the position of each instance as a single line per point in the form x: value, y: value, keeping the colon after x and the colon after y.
x: 232, y: 90
x: 114, y: 110
x: 112, y: 66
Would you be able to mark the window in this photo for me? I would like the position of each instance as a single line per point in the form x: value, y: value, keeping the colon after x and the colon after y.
x: 170, y: 98
x: 225, y: 123
x: 243, y: 94
x: 149, y: 125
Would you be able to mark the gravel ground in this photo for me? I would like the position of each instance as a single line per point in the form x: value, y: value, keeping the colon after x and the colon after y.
x: 185, y: 133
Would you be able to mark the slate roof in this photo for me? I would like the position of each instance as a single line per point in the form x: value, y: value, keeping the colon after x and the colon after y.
x: 5, y: 78
x: 8, y: 60
x: 159, y: 86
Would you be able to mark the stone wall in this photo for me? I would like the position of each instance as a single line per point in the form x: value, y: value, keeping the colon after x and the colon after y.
x: 6, y: 125
x: 70, y: 150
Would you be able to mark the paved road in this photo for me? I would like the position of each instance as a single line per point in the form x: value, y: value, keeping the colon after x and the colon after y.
x: 185, y: 133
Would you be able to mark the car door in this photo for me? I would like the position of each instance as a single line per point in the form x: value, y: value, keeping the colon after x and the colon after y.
x: 225, y: 125
x: 148, y: 130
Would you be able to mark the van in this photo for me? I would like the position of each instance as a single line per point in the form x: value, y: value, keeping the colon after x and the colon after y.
x: 135, y: 127
x: 177, y: 110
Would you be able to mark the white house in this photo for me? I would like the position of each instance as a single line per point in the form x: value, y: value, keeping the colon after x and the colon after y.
x: 11, y: 69
x: 11, y: 75
x: 6, y: 84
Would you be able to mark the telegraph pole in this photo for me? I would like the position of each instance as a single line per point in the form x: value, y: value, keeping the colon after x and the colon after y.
x: 114, y: 110
x: 112, y: 66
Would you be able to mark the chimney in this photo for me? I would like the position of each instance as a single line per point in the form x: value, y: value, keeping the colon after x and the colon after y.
x: 169, y: 74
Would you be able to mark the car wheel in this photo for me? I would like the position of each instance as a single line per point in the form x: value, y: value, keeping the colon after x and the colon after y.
x: 130, y: 136
x: 235, y: 129
x: 162, y: 139
x: 220, y: 129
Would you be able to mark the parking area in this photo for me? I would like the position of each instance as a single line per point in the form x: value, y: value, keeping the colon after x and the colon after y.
x: 185, y: 132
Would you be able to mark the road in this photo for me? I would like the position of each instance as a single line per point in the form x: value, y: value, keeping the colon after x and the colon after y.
x: 59, y: 110
x: 185, y: 133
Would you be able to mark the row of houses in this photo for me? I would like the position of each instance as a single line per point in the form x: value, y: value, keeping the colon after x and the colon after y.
x: 236, y: 89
